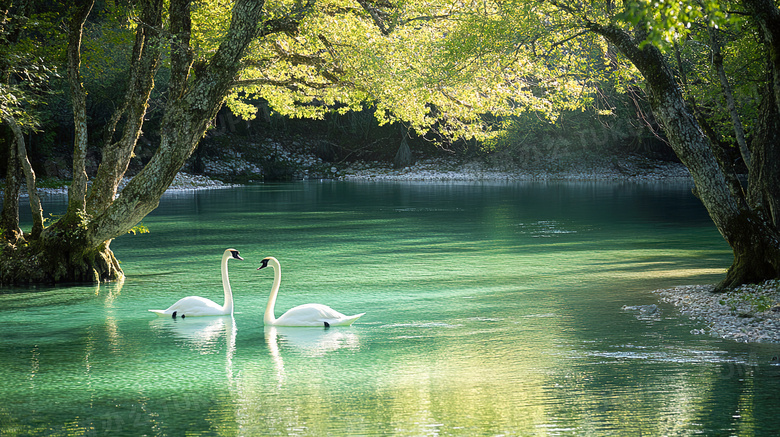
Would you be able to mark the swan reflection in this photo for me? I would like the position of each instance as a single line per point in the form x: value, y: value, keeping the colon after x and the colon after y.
x: 310, y: 342
x: 205, y: 333
x: 307, y: 342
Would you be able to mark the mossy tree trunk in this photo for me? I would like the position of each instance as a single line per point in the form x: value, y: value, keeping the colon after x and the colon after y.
x: 62, y: 256
x: 764, y: 176
x: 76, y: 248
x: 9, y: 218
x: 403, y: 157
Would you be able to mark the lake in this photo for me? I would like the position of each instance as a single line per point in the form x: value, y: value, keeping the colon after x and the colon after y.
x: 491, y: 309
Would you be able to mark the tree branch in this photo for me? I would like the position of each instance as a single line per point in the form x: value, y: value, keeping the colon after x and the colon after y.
x: 289, y: 83
x: 181, y: 53
x: 739, y: 131
x: 144, y: 65
x: 331, y: 74
x: 77, y: 192
x: 376, y: 15
x: 289, y: 23
x: 183, y: 125
x: 576, y: 35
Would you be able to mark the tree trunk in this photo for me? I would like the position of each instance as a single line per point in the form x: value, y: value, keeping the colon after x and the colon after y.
x: 76, y: 247
x: 18, y: 157
x: 116, y: 155
x: 764, y: 179
x: 32, y: 191
x: 754, y: 241
x: 403, y: 158
x: 739, y: 131
x: 767, y: 16
x: 77, y: 191
x: 10, y: 232
x: 9, y: 219
x: 184, y: 123
x: 60, y: 258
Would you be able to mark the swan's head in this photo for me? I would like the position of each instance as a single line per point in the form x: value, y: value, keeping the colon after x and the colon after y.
x: 234, y: 254
x: 264, y: 262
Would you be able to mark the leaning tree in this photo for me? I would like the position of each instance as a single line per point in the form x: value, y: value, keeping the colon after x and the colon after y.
x: 639, y: 40
x: 76, y: 246
x: 746, y: 217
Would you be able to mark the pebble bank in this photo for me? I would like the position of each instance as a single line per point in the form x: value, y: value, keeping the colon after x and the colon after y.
x: 634, y: 168
x: 748, y: 314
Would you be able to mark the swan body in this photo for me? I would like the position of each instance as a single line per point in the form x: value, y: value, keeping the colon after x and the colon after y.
x: 310, y: 314
x: 196, y: 306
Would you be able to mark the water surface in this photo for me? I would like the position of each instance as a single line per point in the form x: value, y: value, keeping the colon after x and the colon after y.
x: 492, y: 309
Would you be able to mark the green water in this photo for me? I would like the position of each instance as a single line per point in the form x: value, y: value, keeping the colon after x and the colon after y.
x: 491, y: 309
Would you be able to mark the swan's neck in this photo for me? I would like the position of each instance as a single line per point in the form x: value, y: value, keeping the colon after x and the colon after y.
x: 228, y: 306
x: 268, y: 317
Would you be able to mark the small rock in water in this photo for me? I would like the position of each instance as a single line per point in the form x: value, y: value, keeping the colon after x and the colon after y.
x: 647, y: 310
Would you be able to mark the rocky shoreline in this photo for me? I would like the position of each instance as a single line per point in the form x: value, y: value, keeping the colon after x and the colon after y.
x: 748, y: 314
x: 182, y: 182
x: 438, y: 169
x: 629, y: 168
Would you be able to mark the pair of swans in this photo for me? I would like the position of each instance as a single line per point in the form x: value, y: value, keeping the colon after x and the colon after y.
x: 311, y: 314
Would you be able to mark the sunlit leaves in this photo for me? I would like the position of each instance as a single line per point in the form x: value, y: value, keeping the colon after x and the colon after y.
x: 140, y: 228
x: 459, y: 68
x: 210, y: 21
x: 443, y: 66
x: 105, y: 54
x: 27, y: 66
x: 665, y: 21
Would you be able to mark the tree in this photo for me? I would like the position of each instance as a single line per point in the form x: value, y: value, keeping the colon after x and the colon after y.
x: 23, y: 77
x: 555, y: 33
x: 289, y: 52
x: 76, y: 246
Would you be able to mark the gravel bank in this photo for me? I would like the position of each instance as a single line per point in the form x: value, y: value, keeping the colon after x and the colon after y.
x: 188, y: 182
x: 441, y: 169
x: 632, y: 168
x: 182, y: 182
x: 749, y: 314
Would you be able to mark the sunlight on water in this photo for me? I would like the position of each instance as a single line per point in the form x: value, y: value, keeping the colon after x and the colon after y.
x: 492, y: 309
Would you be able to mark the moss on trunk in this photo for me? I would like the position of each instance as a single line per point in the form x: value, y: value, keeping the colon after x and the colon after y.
x: 42, y: 263
x: 756, y: 253
x: 61, y: 254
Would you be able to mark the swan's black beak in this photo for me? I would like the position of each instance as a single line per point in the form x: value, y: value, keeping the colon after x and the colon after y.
x: 236, y: 255
x: 264, y: 264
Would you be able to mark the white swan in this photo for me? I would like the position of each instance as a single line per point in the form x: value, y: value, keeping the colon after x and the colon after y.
x: 310, y: 314
x: 196, y: 306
